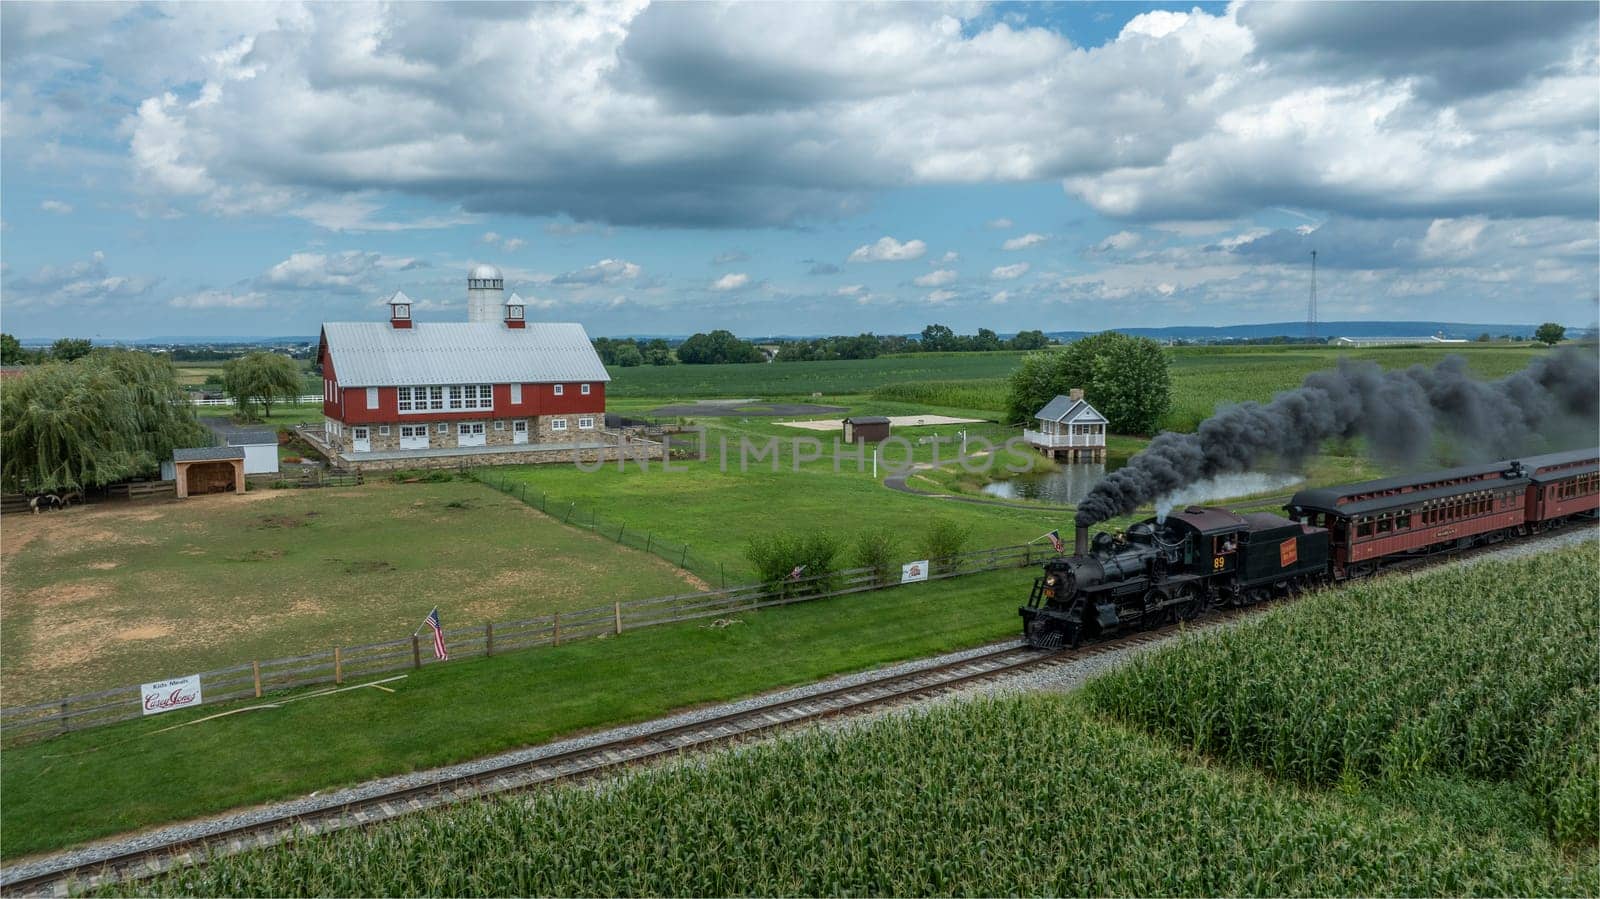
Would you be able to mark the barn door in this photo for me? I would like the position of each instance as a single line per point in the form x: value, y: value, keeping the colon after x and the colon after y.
x: 470, y: 434
x: 519, y: 431
x: 362, y: 439
x: 413, y: 437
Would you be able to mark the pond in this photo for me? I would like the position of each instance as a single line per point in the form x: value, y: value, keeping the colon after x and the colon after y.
x: 1069, y: 484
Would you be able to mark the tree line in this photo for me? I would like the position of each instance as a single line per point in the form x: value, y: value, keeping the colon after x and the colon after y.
x: 722, y: 347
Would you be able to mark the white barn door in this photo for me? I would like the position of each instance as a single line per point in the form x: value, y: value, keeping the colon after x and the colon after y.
x: 470, y: 434
x: 413, y: 437
x: 361, y: 439
x: 519, y: 431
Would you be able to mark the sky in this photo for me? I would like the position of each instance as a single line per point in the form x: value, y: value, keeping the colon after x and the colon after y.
x: 773, y: 168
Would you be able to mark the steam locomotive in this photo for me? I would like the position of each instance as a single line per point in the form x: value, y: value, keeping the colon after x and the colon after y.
x: 1175, y: 567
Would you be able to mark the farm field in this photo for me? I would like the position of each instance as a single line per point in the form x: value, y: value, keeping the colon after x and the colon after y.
x: 1501, y: 689
x: 61, y: 791
x: 117, y: 594
x: 974, y: 798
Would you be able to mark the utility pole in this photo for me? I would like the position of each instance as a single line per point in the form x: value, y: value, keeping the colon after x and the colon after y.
x: 1311, y: 308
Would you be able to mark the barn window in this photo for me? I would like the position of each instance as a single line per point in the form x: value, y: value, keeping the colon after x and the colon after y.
x: 560, y: 389
x: 558, y: 424
x: 383, y: 430
x: 516, y: 393
x: 586, y: 423
x: 583, y: 389
x: 499, y: 425
x: 372, y: 397
x: 444, y: 428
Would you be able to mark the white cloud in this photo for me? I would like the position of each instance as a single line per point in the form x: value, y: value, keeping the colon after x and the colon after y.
x: 355, y: 213
x: 1000, y: 224
x: 1024, y: 242
x: 509, y: 244
x: 940, y: 297
x: 1009, y: 272
x: 84, y: 283
x: 935, y: 278
x: 606, y: 271
x: 1000, y: 297
x: 350, y: 271
x: 887, y: 249
x: 731, y: 281
x: 850, y: 290
x: 219, y: 299
x: 1122, y: 240
x: 949, y: 257
x: 56, y: 206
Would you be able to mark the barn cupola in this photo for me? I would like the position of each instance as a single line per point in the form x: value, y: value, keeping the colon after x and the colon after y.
x: 515, y: 313
x: 399, y: 310
x: 485, y: 293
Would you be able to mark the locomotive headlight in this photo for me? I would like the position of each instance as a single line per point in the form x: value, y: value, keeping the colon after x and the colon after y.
x: 1050, y: 587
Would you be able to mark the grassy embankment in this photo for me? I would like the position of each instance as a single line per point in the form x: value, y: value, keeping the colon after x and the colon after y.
x: 1041, y: 795
x: 118, y: 594
x: 123, y: 777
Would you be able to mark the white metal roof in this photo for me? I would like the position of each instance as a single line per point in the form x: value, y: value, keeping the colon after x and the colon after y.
x: 484, y: 272
x: 376, y: 354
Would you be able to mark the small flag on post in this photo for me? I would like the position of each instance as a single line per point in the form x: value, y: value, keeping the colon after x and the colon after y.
x: 1055, y: 541
x: 795, y: 574
x: 439, y: 652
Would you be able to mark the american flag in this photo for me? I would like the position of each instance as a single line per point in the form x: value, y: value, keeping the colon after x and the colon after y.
x: 439, y: 652
x: 795, y: 574
x: 1055, y: 541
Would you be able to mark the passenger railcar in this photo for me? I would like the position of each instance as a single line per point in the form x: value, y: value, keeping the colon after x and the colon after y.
x: 1562, y: 487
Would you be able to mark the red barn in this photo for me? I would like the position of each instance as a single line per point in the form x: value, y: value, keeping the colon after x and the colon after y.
x: 497, y: 387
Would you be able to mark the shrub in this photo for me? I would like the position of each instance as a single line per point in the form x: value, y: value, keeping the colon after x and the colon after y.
x: 876, y: 549
x: 293, y: 460
x: 776, y: 556
x: 945, y: 540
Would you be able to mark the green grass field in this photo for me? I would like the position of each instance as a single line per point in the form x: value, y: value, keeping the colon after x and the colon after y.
x: 1033, y: 795
x: 121, y: 594
x: 67, y: 789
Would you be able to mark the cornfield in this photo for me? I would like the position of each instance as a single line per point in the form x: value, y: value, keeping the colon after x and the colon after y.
x: 1027, y: 795
x: 1487, y: 672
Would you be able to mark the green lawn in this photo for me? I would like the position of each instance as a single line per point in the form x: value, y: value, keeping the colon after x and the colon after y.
x: 67, y: 790
x: 118, y: 594
x: 801, y: 379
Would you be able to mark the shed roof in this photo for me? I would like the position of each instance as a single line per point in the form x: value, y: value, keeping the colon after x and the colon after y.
x: 252, y: 437
x: 207, y: 454
x: 868, y: 420
x: 375, y: 354
x: 1064, y: 408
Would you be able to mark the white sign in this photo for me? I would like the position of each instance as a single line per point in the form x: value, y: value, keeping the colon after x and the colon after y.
x: 914, y: 571
x: 166, y: 695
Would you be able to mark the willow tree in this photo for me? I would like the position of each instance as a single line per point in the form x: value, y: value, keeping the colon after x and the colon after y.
x: 104, y: 418
x: 261, y: 377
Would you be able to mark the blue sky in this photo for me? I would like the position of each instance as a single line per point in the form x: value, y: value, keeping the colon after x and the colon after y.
x: 256, y: 169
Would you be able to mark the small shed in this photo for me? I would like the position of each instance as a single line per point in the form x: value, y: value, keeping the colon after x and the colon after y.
x: 208, y: 469
x: 866, y: 429
x: 260, y: 447
x: 1069, y: 428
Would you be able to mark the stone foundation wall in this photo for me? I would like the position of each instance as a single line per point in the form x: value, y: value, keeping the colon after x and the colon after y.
x: 539, y: 431
x: 653, y: 452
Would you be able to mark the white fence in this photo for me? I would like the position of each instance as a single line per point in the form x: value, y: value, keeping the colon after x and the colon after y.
x: 230, y: 401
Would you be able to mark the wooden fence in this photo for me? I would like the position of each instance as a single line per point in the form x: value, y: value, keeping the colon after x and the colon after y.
x: 340, y: 664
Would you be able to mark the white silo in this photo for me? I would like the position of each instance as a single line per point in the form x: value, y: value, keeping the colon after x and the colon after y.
x: 485, y: 294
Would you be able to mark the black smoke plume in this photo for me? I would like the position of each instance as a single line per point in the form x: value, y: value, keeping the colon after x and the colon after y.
x: 1554, y: 402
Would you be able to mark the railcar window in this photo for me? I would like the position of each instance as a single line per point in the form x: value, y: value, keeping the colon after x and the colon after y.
x: 1402, y: 520
x: 1364, y: 528
x: 1383, y: 523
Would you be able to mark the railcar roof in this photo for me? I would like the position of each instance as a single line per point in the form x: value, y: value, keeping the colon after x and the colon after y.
x: 1328, y: 497
x: 1564, y: 458
x: 1416, y: 498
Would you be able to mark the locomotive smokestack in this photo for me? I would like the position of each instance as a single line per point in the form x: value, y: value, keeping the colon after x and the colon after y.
x: 1080, y: 540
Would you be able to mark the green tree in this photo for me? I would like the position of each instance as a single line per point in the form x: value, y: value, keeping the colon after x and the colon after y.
x: 1550, y: 334
x: 113, y: 415
x: 1126, y: 378
x: 11, y: 351
x: 626, y: 355
x: 1030, y: 340
x: 716, y: 348
x: 68, y: 349
x: 261, y: 377
x: 938, y: 337
x: 1484, y: 337
x: 657, y: 352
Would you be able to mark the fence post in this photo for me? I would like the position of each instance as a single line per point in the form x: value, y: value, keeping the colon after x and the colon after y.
x: 684, y: 559
x: 65, y: 724
x: 621, y: 529
x: 724, y: 571
x: 416, y: 652
x: 556, y: 640
x: 255, y: 670
x: 488, y: 639
x: 616, y: 611
x: 338, y: 667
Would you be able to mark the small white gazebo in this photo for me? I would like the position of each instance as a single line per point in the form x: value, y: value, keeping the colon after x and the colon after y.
x: 1069, y: 428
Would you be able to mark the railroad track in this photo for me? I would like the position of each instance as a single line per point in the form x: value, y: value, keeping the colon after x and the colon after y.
x: 610, y: 757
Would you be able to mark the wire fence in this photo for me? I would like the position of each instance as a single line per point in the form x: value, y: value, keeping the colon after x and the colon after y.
x: 587, y: 516
x: 259, y: 678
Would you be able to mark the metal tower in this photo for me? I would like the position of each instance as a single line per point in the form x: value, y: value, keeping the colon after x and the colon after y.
x: 1311, y: 307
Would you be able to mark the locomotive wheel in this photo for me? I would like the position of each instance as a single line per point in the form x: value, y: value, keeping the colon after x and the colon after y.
x: 1155, y: 614
x: 1193, y: 605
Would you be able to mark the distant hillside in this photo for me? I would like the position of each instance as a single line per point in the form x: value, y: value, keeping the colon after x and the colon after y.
x: 1325, y: 331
